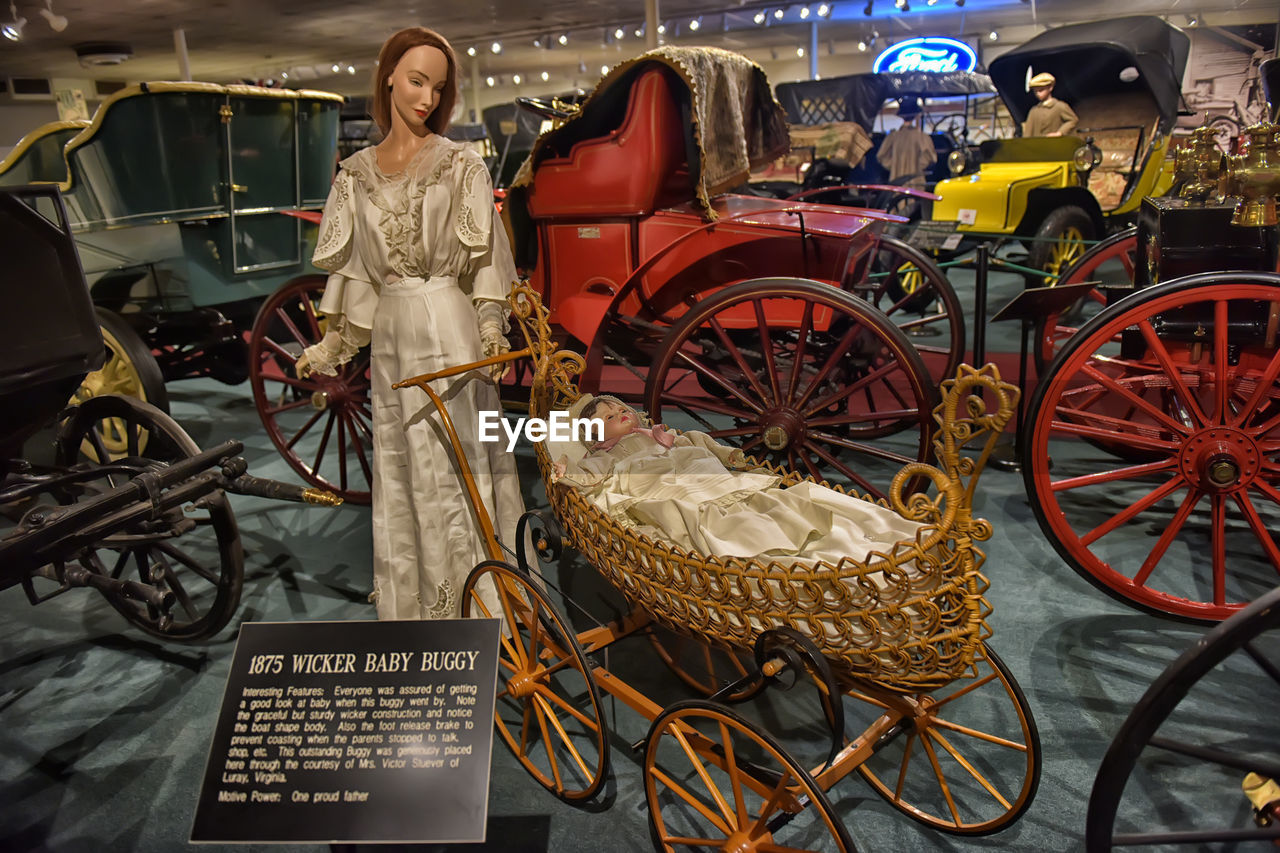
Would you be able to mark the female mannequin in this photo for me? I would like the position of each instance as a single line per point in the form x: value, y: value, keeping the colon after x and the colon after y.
x: 420, y: 267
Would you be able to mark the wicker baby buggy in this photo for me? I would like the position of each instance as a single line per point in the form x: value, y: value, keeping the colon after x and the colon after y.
x: 901, y: 633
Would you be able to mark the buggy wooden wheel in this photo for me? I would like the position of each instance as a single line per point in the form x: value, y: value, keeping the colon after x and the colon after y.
x: 191, y: 557
x: 322, y: 425
x: 1060, y: 241
x: 964, y: 759
x: 1180, y: 380
x: 1110, y: 262
x: 704, y: 668
x: 548, y: 705
x: 715, y: 781
x: 1207, y: 758
x: 916, y: 295
x: 801, y: 373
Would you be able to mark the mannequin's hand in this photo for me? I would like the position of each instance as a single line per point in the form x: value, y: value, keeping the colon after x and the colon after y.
x: 302, y: 367
x: 497, y: 344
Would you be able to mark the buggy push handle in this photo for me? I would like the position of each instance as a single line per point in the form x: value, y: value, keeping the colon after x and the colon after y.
x: 236, y: 481
x: 422, y: 381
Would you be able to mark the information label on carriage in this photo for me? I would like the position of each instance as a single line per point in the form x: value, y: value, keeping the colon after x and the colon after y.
x: 341, y: 731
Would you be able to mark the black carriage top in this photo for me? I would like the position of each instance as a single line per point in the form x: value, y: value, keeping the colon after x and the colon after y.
x: 1139, y: 54
x: 859, y: 97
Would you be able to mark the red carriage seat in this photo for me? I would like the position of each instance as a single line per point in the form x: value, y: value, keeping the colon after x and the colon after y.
x: 634, y: 168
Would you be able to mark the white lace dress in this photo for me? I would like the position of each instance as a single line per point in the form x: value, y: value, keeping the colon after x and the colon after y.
x: 412, y: 257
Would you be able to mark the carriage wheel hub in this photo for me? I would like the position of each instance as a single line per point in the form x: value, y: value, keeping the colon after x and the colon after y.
x: 521, y: 685
x: 1220, y: 459
x: 781, y: 428
x: 740, y: 842
x: 320, y: 400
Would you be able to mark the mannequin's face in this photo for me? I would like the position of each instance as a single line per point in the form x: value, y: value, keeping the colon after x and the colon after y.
x: 1042, y: 93
x: 416, y: 84
x: 618, y: 420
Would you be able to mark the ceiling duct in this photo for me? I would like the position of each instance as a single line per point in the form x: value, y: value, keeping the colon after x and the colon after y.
x: 97, y: 53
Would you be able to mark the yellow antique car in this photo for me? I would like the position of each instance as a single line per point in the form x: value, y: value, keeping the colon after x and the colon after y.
x: 1123, y: 79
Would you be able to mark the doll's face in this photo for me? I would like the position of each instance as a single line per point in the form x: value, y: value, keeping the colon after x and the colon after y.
x: 416, y: 84
x: 618, y: 420
x: 1042, y: 93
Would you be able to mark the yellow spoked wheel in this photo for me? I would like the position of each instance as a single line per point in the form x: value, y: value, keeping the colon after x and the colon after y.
x: 1060, y: 241
x: 910, y: 278
x: 130, y: 371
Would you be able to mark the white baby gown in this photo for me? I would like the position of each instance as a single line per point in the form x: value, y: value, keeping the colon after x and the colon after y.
x: 412, y: 256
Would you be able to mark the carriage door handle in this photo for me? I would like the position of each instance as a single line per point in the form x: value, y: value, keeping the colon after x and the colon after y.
x: 239, y: 188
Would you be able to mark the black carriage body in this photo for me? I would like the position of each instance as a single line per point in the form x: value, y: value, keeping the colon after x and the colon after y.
x: 49, y: 335
x: 1177, y: 237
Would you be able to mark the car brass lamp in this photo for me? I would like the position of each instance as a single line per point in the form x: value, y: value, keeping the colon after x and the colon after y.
x: 1198, y: 166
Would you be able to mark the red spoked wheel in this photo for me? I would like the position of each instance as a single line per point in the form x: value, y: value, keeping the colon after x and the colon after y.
x: 801, y: 373
x: 916, y: 295
x: 1181, y: 379
x: 1110, y: 262
x: 322, y: 425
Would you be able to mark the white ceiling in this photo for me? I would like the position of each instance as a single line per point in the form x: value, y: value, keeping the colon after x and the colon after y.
x: 255, y: 39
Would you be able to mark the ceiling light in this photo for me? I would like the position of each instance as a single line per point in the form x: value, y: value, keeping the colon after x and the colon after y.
x: 13, y: 30
x: 57, y: 23
x: 489, y: 82
x: 604, y: 69
x: 98, y: 53
x: 695, y: 23
x: 1191, y: 20
x: 351, y: 69
x: 471, y: 51
x: 824, y: 10
x: 903, y: 5
x: 993, y: 35
x: 800, y: 51
x: 563, y: 39
x: 779, y: 12
x: 862, y: 45
x: 537, y: 42
x: 284, y: 75
x: 759, y: 18
x: 336, y: 68
x: 515, y: 78
x: 619, y: 33
x: 582, y: 66
x: 639, y: 32
x: 662, y: 29
x: 932, y: 2
x: 804, y: 12
x: 545, y: 76
x: 496, y: 47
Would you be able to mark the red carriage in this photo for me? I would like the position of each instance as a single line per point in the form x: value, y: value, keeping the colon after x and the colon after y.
x: 762, y: 320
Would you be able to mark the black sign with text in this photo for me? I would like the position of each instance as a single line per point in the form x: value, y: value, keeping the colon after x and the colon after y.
x: 353, y: 731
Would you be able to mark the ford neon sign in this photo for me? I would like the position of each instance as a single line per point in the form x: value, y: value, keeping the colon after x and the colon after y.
x: 938, y: 54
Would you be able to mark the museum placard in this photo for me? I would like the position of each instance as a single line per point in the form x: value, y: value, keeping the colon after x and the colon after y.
x: 353, y: 731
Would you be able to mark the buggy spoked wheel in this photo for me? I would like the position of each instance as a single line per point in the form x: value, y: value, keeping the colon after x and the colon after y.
x: 322, y: 425
x: 548, y: 705
x: 801, y: 373
x: 130, y: 370
x: 1110, y: 262
x: 702, y: 667
x: 1207, y: 757
x: 715, y: 781
x: 191, y: 558
x: 964, y: 759
x: 1180, y: 380
x: 1060, y: 241
x: 913, y: 292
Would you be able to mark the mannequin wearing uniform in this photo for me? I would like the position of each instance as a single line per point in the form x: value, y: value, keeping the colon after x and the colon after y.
x: 420, y: 268
x: 1049, y: 116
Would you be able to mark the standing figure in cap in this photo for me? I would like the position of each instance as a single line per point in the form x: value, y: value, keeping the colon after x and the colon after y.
x: 908, y: 151
x: 1049, y: 117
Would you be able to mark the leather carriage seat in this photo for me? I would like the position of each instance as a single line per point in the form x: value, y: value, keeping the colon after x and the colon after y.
x: 632, y: 170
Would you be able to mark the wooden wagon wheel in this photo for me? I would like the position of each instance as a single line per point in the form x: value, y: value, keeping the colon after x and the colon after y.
x: 964, y: 759
x: 201, y: 571
x: 1246, y: 743
x: 1182, y: 379
x: 916, y: 295
x: 322, y: 425
x: 548, y: 705
x: 801, y: 373
x: 715, y: 781
x: 1111, y: 262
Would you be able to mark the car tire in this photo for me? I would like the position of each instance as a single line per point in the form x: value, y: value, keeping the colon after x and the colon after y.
x: 1060, y: 241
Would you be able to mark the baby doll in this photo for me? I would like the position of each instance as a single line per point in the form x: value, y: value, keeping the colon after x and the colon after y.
x: 693, y: 492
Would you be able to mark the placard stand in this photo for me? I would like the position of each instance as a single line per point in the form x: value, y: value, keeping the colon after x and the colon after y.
x: 1028, y: 306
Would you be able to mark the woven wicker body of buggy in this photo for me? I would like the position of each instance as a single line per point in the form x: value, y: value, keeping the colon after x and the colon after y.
x: 898, y: 636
